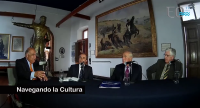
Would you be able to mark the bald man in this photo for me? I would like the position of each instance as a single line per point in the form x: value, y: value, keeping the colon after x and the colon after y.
x: 28, y: 68
x: 120, y: 69
x: 75, y: 70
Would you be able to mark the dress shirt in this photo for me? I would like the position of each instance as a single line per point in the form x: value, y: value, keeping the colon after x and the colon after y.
x: 79, y: 70
x: 32, y: 73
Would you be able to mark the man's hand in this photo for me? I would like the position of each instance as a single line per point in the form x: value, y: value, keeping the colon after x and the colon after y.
x: 39, y: 74
x: 45, y: 78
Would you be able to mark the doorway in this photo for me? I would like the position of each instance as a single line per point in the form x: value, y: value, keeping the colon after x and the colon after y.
x: 192, y: 45
x: 191, y: 29
x: 81, y: 46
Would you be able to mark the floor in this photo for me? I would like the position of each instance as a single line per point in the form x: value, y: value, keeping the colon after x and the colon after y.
x: 3, y: 97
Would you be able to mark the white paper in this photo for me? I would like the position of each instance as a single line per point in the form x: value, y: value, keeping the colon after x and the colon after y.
x: 71, y: 79
x: 92, y: 52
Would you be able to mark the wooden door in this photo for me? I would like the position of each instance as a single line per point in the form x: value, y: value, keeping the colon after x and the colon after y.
x: 85, y: 48
x: 81, y: 46
x: 76, y: 52
x: 192, y: 33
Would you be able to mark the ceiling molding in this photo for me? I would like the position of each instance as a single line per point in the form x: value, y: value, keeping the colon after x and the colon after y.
x: 82, y: 16
x: 22, y: 15
x: 81, y: 7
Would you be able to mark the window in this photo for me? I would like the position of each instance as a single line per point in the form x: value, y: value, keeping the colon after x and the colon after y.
x: 197, y: 9
x: 190, y: 10
x: 193, y: 9
x: 85, y: 34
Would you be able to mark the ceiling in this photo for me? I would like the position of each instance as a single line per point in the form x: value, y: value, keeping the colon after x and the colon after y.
x: 60, y: 4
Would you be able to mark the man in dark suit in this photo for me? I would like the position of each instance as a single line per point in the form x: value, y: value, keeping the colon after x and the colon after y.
x: 121, y: 69
x: 165, y: 68
x: 28, y: 68
x: 81, y: 70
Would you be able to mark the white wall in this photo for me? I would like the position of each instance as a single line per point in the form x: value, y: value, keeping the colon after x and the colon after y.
x: 61, y: 35
x: 168, y: 31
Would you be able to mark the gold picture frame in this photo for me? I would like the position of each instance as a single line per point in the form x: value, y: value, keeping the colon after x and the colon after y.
x: 17, y: 44
x: 5, y: 46
x: 114, y: 34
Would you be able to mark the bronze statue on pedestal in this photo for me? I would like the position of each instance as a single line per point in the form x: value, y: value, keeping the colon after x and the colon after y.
x: 42, y: 35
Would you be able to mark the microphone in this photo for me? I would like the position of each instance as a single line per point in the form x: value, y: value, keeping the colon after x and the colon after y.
x: 82, y: 64
x: 175, y: 60
x: 42, y: 63
x: 129, y: 62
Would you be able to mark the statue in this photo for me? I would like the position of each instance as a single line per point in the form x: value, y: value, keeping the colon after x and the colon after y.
x: 42, y: 35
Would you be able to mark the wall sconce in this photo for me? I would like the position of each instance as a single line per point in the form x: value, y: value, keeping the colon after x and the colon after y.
x: 101, y: 1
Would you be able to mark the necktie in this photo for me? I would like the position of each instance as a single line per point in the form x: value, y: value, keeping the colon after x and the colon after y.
x: 31, y: 69
x: 166, y: 72
x: 81, y: 74
x: 127, y: 71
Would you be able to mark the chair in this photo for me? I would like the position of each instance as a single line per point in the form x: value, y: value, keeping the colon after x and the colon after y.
x: 11, y: 76
x: 12, y: 80
x: 153, y: 76
x: 111, y: 71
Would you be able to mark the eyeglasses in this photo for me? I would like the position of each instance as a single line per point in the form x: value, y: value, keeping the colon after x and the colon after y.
x: 167, y: 55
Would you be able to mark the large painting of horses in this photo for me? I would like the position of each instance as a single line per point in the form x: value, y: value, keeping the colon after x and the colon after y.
x: 130, y: 27
x: 4, y: 46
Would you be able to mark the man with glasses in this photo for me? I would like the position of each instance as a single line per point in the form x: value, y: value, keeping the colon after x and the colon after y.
x: 165, y: 68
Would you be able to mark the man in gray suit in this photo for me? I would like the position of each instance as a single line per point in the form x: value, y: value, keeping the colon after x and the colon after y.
x: 165, y: 68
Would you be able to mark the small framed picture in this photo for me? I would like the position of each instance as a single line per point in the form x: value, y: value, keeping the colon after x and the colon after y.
x: 164, y: 46
x: 17, y: 43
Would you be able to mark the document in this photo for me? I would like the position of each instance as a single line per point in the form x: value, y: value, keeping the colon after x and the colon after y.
x: 109, y: 84
x: 71, y: 79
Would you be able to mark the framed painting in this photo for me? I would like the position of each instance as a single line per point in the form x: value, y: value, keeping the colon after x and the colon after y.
x: 129, y: 27
x: 17, y: 43
x: 164, y: 46
x: 4, y: 46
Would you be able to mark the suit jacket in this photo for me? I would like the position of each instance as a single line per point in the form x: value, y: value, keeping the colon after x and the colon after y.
x: 74, y: 72
x: 22, y: 69
x: 118, y: 74
x: 158, y: 67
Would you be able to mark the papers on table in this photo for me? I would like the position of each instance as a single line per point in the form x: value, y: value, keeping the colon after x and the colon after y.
x: 71, y: 79
x: 108, y: 84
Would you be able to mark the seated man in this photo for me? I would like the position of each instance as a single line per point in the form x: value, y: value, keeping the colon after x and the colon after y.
x: 165, y: 68
x: 75, y: 70
x: 121, y: 69
x: 28, y: 69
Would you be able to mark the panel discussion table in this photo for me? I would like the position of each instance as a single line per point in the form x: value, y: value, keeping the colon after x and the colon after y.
x: 144, y: 94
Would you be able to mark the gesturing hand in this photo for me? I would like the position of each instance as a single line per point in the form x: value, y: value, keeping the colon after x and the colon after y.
x: 40, y: 74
